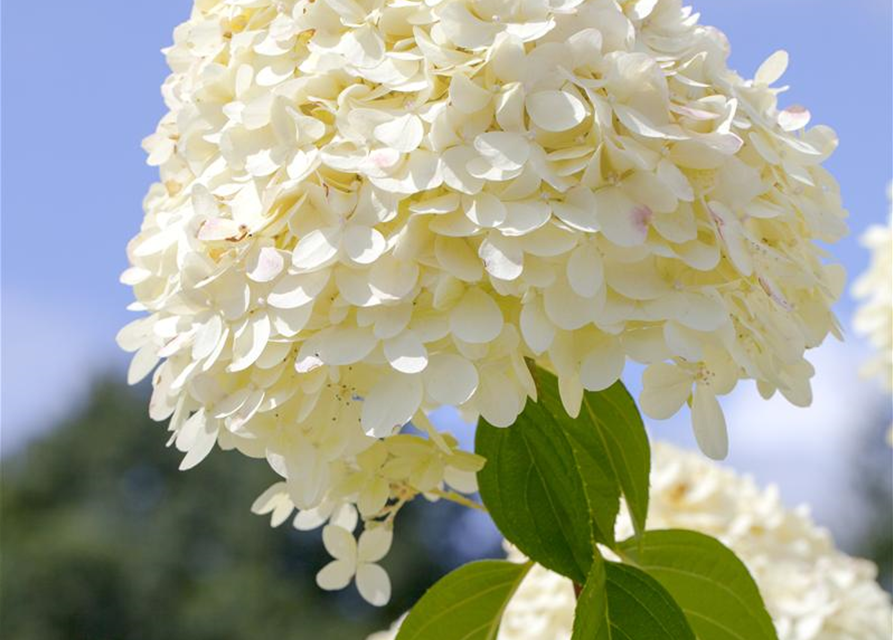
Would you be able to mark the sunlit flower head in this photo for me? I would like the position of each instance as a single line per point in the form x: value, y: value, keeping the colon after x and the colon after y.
x: 874, y: 288
x: 370, y: 209
x: 812, y: 590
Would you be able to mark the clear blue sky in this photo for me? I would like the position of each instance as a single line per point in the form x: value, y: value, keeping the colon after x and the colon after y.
x: 80, y: 83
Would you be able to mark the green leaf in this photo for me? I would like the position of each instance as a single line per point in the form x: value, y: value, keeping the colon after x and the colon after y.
x: 619, y: 602
x: 552, y: 483
x: 467, y: 604
x: 710, y: 583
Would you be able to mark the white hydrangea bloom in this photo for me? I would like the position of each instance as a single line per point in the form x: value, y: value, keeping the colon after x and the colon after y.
x: 369, y: 209
x: 874, y: 318
x: 812, y: 591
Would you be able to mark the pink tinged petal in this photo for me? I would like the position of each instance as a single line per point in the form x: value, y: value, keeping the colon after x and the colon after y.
x: 603, y: 366
x: 502, y: 259
x: 251, y: 342
x: 623, y: 222
x: 555, y: 111
x: 477, y: 318
x: 585, y: 271
x: 484, y: 209
x: 144, y: 360
x: 536, y: 328
x: 665, y: 388
x: 374, y: 584
x: 390, y: 404
x: 221, y: 229
x: 340, y: 543
x: 450, y: 379
x: 709, y: 424
x: 406, y: 353
x: 265, y: 265
x: 794, y: 118
x: 374, y: 544
x: 363, y: 244
x: 335, y: 575
x: 524, y: 216
x: 317, y: 249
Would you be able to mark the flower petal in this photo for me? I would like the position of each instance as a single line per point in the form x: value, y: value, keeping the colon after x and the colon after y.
x: 553, y: 110
x: 709, y: 424
x: 450, y: 379
x: 335, y: 575
x: 374, y: 584
x: 477, y: 318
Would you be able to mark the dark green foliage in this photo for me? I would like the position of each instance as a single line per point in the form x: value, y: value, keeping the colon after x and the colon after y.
x: 467, y: 604
x: 553, y: 483
x: 103, y: 539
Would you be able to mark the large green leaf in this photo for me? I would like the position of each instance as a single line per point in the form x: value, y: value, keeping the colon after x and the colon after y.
x: 707, y: 579
x: 552, y: 483
x: 467, y: 604
x: 619, y: 602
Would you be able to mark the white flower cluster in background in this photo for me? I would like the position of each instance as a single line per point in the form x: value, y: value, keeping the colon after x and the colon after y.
x: 371, y: 208
x: 812, y: 590
x: 874, y: 318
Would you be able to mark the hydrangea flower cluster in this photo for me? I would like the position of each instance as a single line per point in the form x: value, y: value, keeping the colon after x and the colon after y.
x: 371, y: 208
x: 812, y: 590
x: 874, y: 318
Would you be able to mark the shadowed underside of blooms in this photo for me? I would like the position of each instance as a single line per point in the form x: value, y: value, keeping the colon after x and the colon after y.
x: 812, y: 590
x: 370, y: 209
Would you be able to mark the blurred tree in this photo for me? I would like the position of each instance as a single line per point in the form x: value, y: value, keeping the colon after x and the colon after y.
x: 103, y: 539
x: 874, y: 460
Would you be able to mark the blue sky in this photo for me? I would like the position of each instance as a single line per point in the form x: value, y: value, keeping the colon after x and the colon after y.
x: 80, y: 83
